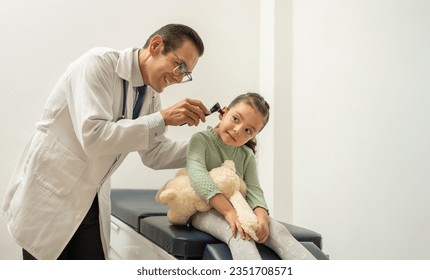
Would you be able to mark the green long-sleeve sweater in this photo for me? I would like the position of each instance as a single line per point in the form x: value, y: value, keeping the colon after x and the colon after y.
x: 206, y: 151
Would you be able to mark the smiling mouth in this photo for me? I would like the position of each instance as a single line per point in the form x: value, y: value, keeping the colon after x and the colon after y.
x: 169, y: 81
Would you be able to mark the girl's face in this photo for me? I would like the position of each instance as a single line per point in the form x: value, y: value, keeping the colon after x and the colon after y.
x: 239, y: 124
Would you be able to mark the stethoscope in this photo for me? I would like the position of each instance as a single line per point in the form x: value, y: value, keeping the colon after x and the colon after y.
x: 124, y: 100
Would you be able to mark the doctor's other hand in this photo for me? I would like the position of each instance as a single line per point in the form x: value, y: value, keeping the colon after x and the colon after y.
x: 188, y: 111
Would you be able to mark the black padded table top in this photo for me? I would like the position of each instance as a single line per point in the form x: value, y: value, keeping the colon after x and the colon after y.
x: 182, y: 242
x: 131, y: 205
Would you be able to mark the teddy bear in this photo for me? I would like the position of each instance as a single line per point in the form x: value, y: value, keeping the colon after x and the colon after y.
x: 183, y: 201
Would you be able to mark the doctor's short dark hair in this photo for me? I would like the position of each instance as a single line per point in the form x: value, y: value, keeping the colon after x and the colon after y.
x: 174, y: 36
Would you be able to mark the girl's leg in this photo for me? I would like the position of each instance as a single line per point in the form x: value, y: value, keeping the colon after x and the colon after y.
x: 284, y: 244
x: 215, y: 224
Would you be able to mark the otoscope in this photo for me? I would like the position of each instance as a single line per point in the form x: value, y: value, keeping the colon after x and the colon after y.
x: 214, y: 108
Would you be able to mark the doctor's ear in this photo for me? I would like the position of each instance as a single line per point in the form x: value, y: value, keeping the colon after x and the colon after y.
x: 156, y: 44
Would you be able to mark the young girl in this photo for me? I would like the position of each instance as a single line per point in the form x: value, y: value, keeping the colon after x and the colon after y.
x: 234, y: 139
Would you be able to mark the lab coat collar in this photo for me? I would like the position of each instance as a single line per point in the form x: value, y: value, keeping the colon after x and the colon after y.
x: 127, y: 58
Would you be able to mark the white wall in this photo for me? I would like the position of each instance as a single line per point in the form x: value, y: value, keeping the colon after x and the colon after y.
x: 40, y: 38
x: 361, y: 94
x: 275, y: 145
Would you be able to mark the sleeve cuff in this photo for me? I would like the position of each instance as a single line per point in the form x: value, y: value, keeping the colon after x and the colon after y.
x: 264, y: 206
x: 156, y: 124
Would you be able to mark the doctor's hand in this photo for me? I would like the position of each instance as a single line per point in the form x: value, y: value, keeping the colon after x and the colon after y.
x: 188, y: 111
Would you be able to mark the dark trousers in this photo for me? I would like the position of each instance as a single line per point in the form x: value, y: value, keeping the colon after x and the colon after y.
x: 86, y: 243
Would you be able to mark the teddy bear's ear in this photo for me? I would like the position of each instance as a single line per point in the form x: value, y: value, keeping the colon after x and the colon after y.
x: 229, y: 164
x: 165, y: 196
x: 157, y: 195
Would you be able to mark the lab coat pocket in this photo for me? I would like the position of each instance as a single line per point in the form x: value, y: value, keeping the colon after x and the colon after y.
x: 59, y: 170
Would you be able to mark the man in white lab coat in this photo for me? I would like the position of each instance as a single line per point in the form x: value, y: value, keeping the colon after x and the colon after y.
x: 57, y: 204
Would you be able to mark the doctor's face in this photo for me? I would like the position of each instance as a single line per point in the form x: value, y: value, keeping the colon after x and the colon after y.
x: 165, y: 69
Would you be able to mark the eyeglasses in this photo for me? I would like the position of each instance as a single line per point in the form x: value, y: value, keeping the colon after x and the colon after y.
x: 182, y: 69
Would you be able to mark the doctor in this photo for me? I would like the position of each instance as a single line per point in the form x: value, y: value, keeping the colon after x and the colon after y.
x: 57, y: 204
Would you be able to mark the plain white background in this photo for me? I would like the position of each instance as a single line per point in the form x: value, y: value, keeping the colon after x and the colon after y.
x: 346, y: 152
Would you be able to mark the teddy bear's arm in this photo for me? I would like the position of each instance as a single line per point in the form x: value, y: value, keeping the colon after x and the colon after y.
x: 247, y: 217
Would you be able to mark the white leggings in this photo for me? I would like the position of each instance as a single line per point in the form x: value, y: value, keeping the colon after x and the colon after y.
x: 280, y: 239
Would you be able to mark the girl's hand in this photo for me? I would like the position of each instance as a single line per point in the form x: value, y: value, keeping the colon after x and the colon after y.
x: 262, y: 231
x: 232, y: 218
x: 224, y: 207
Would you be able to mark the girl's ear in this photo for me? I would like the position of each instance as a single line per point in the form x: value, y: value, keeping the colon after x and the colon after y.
x: 222, y: 112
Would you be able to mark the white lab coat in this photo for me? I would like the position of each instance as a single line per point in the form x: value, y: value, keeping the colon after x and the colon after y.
x: 77, y: 145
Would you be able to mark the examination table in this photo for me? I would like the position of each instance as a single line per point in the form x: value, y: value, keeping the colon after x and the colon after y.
x: 140, y: 230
